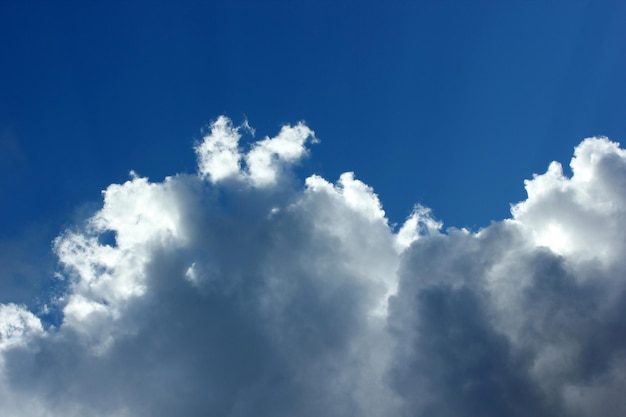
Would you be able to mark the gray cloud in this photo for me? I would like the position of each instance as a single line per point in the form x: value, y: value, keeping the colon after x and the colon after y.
x: 526, y: 316
x: 235, y: 293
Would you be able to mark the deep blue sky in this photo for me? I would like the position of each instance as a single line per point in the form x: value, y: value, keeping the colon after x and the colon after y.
x: 450, y: 104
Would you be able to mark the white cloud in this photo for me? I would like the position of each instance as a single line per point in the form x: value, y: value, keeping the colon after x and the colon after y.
x: 267, y: 157
x: 199, y: 296
x: 218, y: 153
x: 419, y: 223
x: 581, y: 216
x: 17, y: 326
x: 219, y: 156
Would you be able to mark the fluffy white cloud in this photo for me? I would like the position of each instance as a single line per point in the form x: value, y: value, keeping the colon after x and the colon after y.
x: 17, y: 326
x: 235, y: 293
x: 267, y: 157
x: 219, y: 156
x: 582, y: 215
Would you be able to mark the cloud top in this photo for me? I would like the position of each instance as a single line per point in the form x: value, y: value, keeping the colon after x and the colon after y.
x: 219, y: 156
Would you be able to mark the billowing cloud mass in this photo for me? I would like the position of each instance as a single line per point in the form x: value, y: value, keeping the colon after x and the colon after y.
x: 241, y: 291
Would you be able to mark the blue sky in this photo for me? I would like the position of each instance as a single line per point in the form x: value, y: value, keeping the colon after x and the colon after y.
x: 240, y: 271
x: 449, y: 104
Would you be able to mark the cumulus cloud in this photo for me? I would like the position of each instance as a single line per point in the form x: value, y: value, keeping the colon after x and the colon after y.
x: 234, y: 292
x: 219, y: 156
x: 524, y: 317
